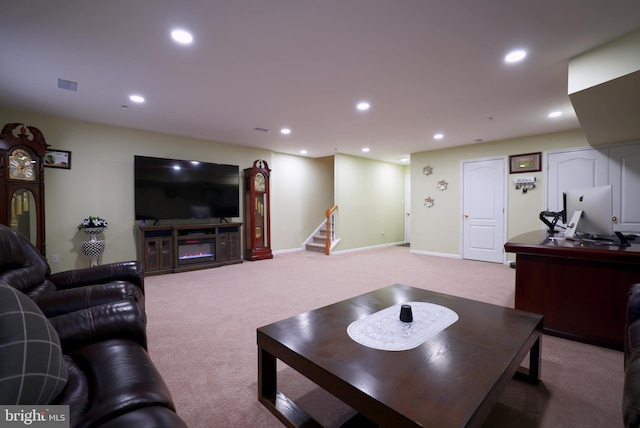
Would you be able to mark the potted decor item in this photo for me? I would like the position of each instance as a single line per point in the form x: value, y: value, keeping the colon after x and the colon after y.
x: 93, y: 226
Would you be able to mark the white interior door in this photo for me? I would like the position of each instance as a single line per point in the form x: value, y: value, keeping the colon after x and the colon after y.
x: 483, y: 206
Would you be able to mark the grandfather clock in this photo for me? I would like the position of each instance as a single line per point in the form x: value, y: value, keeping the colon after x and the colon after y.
x: 256, y: 212
x: 22, y: 150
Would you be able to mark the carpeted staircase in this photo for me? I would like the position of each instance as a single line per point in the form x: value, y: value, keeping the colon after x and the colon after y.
x: 318, y: 241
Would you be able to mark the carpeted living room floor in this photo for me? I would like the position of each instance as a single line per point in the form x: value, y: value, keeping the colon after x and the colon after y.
x: 202, y: 338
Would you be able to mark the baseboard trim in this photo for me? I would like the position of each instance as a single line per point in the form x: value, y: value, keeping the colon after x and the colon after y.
x: 353, y: 250
x: 290, y: 250
x: 430, y: 253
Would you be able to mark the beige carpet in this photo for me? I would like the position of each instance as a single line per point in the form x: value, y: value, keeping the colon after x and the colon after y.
x: 202, y: 337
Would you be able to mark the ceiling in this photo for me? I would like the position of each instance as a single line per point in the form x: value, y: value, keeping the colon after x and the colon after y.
x: 425, y: 67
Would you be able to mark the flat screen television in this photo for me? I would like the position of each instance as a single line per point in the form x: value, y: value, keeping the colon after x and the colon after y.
x: 596, y: 205
x: 173, y: 189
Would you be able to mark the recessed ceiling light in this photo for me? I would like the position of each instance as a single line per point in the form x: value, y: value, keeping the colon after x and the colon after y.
x: 363, y: 106
x: 515, y: 56
x: 438, y: 136
x: 137, y: 98
x: 366, y: 149
x: 303, y: 152
x: 182, y: 37
x: 285, y: 131
x: 554, y: 114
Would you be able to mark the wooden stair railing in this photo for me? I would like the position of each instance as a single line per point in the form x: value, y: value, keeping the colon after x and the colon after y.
x: 331, y: 228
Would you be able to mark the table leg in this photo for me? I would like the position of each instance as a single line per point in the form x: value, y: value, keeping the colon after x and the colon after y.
x: 532, y: 374
x: 535, y: 357
x: 267, y: 377
x: 279, y: 404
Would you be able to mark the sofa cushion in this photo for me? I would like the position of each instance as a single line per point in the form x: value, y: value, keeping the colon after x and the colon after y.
x: 32, y: 369
x: 76, y: 393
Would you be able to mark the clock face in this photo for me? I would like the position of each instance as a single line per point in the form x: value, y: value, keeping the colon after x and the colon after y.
x: 21, y: 166
x: 259, y: 182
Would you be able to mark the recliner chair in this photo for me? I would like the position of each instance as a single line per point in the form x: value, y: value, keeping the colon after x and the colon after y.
x: 24, y: 268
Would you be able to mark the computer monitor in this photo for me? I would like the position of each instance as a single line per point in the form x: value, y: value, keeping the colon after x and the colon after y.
x: 589, y: 212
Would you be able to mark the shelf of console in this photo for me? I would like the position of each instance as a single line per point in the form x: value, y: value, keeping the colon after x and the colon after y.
x: 182, y: 248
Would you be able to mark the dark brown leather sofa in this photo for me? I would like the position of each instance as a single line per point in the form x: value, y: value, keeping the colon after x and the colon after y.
x: 93, y: 322
x: 631, y: 394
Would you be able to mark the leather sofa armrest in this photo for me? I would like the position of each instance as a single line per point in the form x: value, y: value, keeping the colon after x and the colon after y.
x: 631, y: 389
x: 132, y: 271
x: 632, y: 327
x: 156, y: 416
x: 121, y: 320
x: 60, y: 302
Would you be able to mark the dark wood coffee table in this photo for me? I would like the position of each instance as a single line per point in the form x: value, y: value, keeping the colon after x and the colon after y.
x: 451, y: 380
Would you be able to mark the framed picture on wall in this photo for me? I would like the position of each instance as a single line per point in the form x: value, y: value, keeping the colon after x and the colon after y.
x: 57, y: 159
x: 528, y: 162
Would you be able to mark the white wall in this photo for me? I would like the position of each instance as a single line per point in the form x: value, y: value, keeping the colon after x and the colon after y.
x: 604, y: 63
x: 302, y: 190
x: 100, y: 183
x: 369, y: 193
x: 438, y: 229
x: 370, y: 198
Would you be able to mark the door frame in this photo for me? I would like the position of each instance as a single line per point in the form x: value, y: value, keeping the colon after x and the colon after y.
x: 505, y: 193
x: 407, y: 209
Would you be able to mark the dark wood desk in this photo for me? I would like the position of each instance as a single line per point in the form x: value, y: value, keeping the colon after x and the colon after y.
x: 580, y: 288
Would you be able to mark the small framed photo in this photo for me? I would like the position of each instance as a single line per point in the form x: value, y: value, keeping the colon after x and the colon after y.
x: 528, y: 162
x: 57, y: 159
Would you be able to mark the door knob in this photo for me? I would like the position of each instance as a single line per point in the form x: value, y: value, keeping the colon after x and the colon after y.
x: 466, y: 216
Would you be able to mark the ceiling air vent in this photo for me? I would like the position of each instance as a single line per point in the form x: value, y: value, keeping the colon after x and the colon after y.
x: 68, y: 85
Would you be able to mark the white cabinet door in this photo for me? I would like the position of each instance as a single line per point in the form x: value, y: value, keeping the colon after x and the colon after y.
x: 573, y: 169
x: 624, y: 176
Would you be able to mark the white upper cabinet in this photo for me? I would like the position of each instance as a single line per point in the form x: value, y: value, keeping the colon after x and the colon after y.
x: 624, y: 176
x: 588, y: 167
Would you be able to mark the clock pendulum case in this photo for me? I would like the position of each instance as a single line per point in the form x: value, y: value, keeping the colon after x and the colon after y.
x: 22, y: 150
x: 256, y: 212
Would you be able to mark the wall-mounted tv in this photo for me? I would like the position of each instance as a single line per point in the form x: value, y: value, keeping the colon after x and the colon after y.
x: 172, y: 189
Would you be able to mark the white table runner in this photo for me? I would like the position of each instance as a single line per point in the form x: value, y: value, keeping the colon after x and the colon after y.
x: 383, y: 329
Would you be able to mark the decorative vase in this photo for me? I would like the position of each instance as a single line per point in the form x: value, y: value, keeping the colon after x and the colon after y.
x: 94, y: 247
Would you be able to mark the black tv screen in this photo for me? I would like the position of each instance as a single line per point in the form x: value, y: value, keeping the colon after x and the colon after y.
x: 182, y: 189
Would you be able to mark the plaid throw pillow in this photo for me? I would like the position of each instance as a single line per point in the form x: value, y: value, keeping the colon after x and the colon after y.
x: 32, y: 370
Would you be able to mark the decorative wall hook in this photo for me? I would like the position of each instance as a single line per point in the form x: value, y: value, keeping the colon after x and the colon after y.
x: 525, y: 187
x: 525, y: 183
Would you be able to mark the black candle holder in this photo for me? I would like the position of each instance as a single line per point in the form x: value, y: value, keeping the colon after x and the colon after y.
x: 406, y: 315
